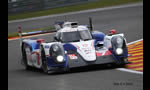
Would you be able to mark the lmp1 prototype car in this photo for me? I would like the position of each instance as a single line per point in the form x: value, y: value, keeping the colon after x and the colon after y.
x: 73, y: 46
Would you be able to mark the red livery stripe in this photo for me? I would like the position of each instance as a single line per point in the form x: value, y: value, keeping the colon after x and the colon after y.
x: 98, y: 54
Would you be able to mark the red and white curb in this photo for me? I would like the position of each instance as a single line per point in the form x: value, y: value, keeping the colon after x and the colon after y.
x: 134, y: 67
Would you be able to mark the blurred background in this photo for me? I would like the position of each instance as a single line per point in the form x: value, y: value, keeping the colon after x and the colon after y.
x: 19, y: 6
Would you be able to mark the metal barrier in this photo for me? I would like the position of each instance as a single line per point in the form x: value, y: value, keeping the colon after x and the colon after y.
x: 36, y: 5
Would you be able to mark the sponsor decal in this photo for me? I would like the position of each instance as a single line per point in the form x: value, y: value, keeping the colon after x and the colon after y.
x: 85, y: 45
x: 107, y: 52
x: 87, y: 50
x: 37, y: 57
x: 73, y: 56
x: 46, y: 46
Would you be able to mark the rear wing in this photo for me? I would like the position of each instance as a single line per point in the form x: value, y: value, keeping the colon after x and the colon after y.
x: 60, y: 24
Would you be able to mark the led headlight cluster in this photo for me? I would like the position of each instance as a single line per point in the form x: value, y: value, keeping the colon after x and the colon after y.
x: 119, y: 51
x: 57, y: 53
x: 118, y: 45
x: 119, y: 40
x: 60, y: 58
x: 55, y: 48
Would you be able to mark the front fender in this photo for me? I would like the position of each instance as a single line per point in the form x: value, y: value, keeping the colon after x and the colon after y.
x: 116, y: 45
x: 51, y: 56
x: 46, y: 47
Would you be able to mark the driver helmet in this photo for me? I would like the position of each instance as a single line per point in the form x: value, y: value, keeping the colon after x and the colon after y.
x: 113, y: 31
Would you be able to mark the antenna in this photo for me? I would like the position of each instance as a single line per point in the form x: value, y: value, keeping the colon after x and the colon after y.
x: 90, y: 22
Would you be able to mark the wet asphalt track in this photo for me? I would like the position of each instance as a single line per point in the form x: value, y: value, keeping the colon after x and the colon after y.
x: 126, y: 20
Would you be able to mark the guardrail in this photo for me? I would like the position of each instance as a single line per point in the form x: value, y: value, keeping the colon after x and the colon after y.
x: 35, y: 5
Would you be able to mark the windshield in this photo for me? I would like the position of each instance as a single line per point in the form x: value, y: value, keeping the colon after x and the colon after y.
x: 76, y: 36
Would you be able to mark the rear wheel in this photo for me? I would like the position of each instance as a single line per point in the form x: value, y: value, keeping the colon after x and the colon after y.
x: 44, y: 61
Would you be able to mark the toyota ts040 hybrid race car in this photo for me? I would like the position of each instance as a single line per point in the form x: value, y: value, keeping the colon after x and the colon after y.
x: 73, y: 46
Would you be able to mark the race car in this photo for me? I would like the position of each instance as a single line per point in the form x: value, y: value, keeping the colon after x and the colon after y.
x: 74, y: 46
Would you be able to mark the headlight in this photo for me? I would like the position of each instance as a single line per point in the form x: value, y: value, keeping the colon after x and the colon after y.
x: 119, y: 51
x: 60, y: 58
x: 57, y: 53
x: 55, y: 48
x: 119, y: 40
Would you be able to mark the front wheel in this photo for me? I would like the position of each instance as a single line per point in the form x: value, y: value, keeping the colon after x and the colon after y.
x: 44, y: 61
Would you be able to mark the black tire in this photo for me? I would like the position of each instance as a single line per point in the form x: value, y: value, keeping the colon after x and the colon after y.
x: 24, y: 58
x: 44, y: 64
x: 121, y: 64
x: 66, y: 69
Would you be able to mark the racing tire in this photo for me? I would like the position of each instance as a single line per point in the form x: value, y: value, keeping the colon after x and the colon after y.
x: 44, y: 62
x: 24, y: 59
x: 66, y: 69
x: 122, y: 63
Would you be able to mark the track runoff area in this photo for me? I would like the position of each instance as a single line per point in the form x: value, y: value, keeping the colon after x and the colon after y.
x: 136, y: 51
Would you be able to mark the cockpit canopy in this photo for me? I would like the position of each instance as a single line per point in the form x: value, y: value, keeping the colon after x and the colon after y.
x: 66, y: 35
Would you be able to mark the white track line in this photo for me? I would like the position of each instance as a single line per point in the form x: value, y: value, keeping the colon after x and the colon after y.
x: 134, y: 41
x: 78, y: 12
x: 129, y: 70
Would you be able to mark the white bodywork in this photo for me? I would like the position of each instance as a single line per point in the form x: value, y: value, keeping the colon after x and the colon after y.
x: 86, y: 49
